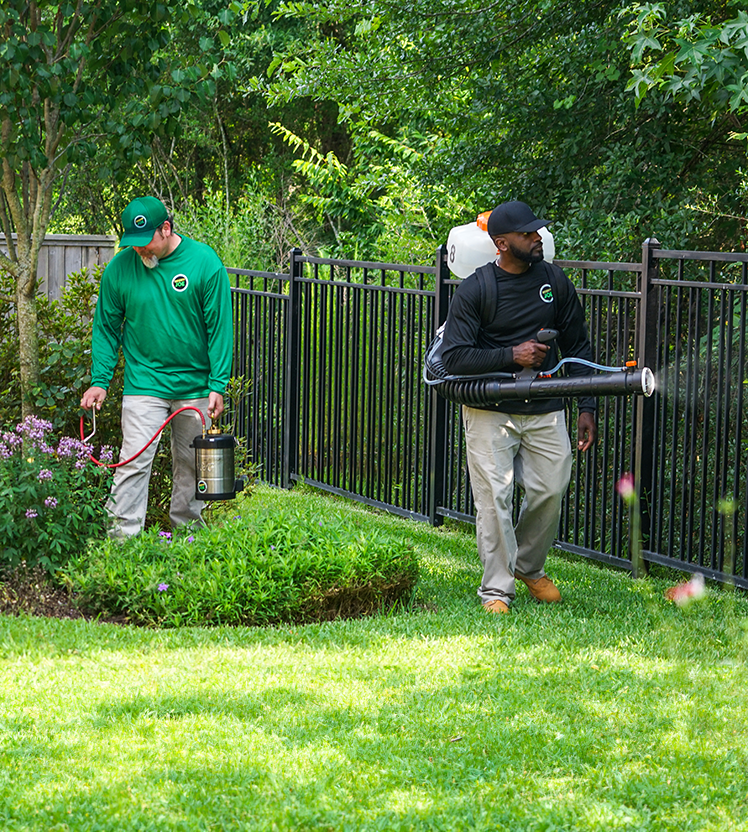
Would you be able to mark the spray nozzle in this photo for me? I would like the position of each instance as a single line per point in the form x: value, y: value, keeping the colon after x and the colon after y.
x: 545, y: 336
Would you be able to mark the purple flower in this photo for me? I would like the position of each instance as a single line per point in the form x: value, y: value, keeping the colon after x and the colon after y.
x: 44, y: 474
x: 163, y: 587
x: 31, y: 513
x: 106, y: 454
x: 68, y: 447
x: 33, y: 429
x: 51, y: 502
x: 166, y: 535
x: 191, y: 538
x: 12, y: 440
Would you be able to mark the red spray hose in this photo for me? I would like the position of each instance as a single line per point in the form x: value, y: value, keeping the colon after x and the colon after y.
x: 150, y: 441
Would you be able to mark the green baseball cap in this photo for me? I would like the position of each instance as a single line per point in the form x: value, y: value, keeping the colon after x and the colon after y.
x: 141, y: 218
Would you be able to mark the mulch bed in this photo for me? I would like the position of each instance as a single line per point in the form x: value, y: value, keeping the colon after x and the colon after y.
x: 30, y: 592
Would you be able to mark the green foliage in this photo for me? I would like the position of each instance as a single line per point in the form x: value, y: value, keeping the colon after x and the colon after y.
x: 693, y: 59
x: 246, y: 233
x: 65, y: 350
x: 65, y: 354
x: 373, y: 206
x: 53, y: 497
x: 77, y: 75
x: 520, y: 101
x: 265, y: 567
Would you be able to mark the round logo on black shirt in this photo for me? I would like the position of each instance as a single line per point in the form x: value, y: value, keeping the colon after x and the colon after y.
x: 546, y: 293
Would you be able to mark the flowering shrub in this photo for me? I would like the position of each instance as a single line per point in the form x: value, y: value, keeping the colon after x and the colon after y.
x: 52, y: 496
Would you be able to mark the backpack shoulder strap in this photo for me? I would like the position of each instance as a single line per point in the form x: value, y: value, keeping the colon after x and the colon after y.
x: 489, y: 293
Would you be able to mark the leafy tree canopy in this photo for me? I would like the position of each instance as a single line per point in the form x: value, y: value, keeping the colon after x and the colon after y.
x: 700, y: 58
x: 519, y: 100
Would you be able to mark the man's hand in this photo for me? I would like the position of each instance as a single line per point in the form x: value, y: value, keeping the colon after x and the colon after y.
x: 93, y: 397
x: 530, y: 354
x: 215, y: 405
x: 586, y: 431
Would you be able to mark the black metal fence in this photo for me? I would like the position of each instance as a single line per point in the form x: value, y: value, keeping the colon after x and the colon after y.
x: 333, y: 352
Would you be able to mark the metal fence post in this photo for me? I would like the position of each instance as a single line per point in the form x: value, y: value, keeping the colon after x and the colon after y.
x: 646, y: 346
x: 292, y: 370
x: 438, y: 422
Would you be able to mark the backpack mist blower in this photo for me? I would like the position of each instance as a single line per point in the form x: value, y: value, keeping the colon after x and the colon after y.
x: 214, y: 459
x: 492, y: 388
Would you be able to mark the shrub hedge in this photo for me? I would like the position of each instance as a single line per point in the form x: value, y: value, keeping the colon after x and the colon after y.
x: 266, y: 567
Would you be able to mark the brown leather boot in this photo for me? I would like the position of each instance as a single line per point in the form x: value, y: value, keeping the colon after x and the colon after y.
x: 541, y: 588
x: 496, y: 606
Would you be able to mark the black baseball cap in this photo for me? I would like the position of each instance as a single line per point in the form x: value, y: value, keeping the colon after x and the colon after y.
x: 513, y: 216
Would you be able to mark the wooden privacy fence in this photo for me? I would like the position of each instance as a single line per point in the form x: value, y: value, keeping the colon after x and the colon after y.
x: 333, y: 351
x: 62, y: 254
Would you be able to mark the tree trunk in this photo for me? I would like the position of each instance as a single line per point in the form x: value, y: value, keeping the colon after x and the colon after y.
x: 28, y: 335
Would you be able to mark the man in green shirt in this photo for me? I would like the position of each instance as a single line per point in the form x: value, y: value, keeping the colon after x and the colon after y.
x: 166, y: 301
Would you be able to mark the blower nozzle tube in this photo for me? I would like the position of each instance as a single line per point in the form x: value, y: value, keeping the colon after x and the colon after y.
x: 485, y: 392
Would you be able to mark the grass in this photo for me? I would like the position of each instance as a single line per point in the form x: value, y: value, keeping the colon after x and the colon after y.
x: 614, y: 710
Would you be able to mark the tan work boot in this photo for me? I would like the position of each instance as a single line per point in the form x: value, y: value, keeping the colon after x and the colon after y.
x: 541, y: 588
x: 496, y: 606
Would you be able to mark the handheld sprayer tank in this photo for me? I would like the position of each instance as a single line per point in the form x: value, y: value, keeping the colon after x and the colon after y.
x: 214, y: 466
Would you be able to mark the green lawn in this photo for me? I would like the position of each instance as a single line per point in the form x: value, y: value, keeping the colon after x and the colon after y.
x: 614, y: 710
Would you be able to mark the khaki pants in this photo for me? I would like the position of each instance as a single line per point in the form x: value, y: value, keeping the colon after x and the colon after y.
x: 142, y: 416
x: 535, y: 451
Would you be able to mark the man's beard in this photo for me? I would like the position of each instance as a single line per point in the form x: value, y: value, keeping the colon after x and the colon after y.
x: 526, y: 256
x: 150, y: 261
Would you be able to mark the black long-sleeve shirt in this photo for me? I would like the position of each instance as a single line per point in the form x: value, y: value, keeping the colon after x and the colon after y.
x: 526, y: 303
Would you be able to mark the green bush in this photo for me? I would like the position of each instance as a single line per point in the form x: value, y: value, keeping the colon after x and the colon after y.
x: 52, y: 497
x: 262, y: 568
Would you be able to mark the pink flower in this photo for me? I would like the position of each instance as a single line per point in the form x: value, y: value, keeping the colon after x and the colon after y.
x: 626, y: 488
x: 163, y: 587
x: 683, y: 594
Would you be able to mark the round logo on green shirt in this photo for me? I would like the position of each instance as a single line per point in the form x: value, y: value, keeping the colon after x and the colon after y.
x: 179, y: 282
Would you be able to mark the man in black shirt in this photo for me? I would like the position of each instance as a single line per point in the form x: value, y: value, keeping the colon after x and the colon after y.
x: 515, y: 440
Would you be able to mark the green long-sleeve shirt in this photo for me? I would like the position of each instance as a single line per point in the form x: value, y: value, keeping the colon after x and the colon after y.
x: 173, y: 323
